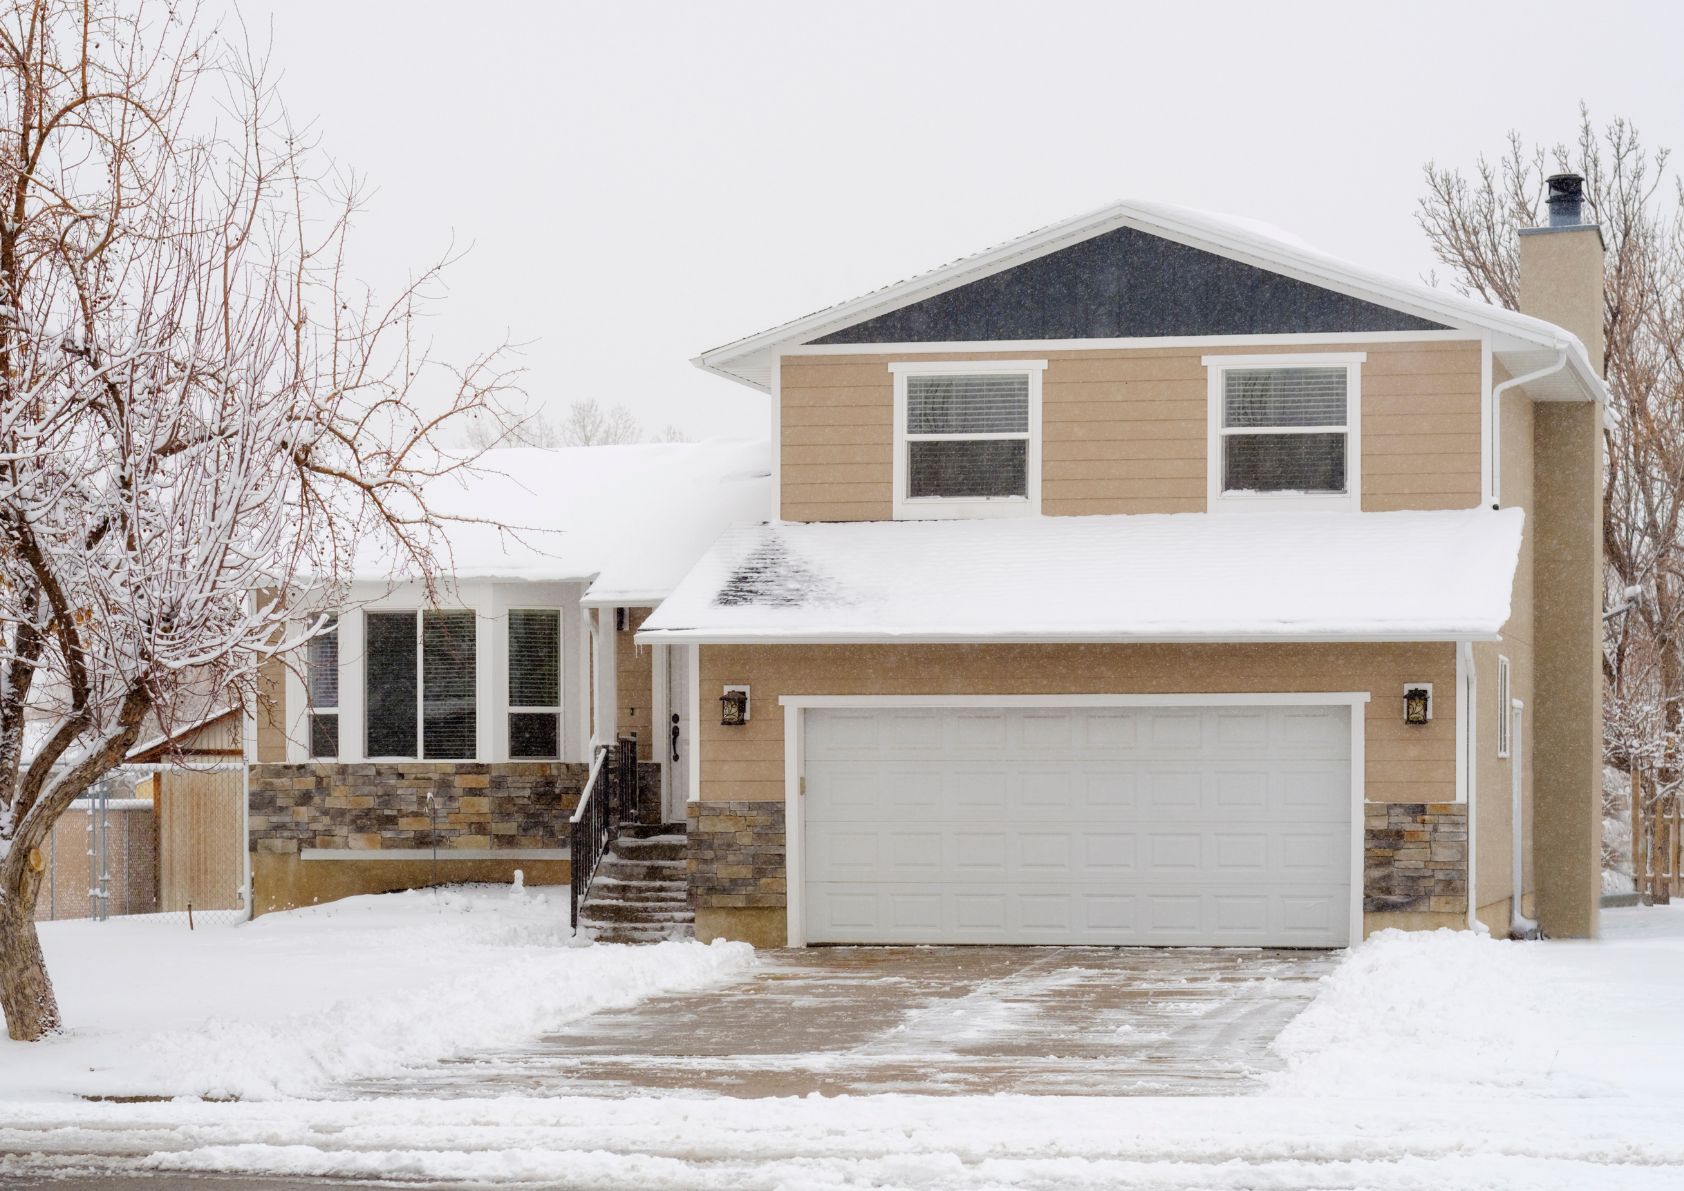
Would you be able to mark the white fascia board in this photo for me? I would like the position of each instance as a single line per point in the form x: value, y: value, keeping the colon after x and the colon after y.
x: 721, y: 637
x: 624, y: 599
x: 1273, y: 256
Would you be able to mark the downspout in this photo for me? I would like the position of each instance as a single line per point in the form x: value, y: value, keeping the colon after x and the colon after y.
x: 1497, y: 412
x: 1520, y: 926
x: 1470, y: 766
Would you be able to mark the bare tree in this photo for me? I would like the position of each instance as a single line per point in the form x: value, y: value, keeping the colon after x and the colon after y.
x: 586, y: 424
x: 195, y: 405
x: 1471, y: 224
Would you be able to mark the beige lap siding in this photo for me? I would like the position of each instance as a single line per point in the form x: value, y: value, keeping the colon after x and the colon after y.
x: 634, y: 683
x: 1404, y: 764
x: 1125, y: 431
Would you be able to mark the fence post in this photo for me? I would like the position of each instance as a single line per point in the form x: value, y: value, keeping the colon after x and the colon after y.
x: 1661, y: 848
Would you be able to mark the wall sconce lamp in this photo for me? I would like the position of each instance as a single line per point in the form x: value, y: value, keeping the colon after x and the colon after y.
x: 1418, y: 703
x: 733, y: 707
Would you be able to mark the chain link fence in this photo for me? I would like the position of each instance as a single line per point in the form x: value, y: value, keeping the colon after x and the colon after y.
x: 164, y: 840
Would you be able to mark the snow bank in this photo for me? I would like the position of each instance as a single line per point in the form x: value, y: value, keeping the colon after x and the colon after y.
x: 295, y: 1004
x: 1458, y: 1014
x: 1263, y: 575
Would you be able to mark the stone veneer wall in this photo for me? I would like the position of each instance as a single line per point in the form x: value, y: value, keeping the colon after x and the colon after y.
x: 736, y: 855
x: 1415, y: 857
x: 383, y: 805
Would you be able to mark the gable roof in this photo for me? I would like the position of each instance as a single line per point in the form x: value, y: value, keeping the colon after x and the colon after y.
x: 1274, y: 576
x: 1525, y: 344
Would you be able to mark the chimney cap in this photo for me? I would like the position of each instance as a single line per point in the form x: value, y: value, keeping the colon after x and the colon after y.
x: 1566, y: 199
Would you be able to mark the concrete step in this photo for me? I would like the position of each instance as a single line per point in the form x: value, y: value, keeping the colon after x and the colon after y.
x: 654, y: 847
x: 619, y: 868
x: 658, y: 895
x: 620, y: 932
x: 602, y: 909
x: 645, y: 830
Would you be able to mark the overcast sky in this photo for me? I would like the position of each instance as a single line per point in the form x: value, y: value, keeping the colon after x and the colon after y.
x: 637, y: 182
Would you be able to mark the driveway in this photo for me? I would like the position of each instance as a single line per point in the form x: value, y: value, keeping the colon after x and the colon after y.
x: 927, y: 1020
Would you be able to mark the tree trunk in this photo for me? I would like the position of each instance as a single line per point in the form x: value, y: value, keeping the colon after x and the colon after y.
x: 26, y: 992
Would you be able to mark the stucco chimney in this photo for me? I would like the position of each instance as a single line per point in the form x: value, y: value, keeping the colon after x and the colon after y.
x: 1561, y: 267
x: 1561, y: 281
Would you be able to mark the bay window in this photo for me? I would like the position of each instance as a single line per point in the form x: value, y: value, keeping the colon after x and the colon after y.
x: 419, y: 687
x: 534, y: 684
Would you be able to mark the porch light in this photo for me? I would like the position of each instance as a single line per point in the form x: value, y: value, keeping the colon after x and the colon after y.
x: 733, y: 707
x: 1418, y: 703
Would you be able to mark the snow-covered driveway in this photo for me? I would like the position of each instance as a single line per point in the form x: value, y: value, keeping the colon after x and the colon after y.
x: 1088, y: 1021
x: 1425, y: 1062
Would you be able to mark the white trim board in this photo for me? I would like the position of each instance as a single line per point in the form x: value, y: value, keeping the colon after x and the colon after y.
x: 795, y: 764
x: 313, y: 854
x: 1132, y: 343
x: 889, y: 637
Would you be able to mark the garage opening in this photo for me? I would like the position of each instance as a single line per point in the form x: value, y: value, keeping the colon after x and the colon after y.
x: 1169, y: 825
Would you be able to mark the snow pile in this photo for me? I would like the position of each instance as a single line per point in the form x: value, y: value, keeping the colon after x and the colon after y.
x: 1265, y: 575
x: 1455, y: 1014
x: 294, y: 1004
x: 637, y: 516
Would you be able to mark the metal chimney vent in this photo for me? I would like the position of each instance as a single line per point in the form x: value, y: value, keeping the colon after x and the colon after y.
x: 1566, y: 199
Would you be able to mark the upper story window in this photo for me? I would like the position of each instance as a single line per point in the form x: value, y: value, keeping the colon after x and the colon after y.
x: 419, y: 691
x: 967, y: 438
x: 1284, y: 431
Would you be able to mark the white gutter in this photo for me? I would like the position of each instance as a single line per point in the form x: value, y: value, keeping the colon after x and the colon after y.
x: 1072, y: 637
x: 1495, y: 428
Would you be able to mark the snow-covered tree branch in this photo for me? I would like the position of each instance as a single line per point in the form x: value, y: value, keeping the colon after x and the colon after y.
x: 199, y: 412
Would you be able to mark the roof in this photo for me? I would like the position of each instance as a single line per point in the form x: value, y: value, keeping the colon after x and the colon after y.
x: 632, y: 518
x: 1268, y: 576
x: 1524, y: 344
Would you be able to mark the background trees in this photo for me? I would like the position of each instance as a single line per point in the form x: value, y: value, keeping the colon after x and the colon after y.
x: 198, y: 410
x: 1471, y: 223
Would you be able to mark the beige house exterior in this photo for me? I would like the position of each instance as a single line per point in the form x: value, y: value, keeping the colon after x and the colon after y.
x: 1048, y: 754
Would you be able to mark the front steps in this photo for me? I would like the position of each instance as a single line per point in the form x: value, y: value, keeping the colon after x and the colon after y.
x: 641, y: 891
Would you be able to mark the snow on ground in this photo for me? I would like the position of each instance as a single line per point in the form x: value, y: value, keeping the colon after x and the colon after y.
x: 1430, y: 1061
x: 293, y: 1004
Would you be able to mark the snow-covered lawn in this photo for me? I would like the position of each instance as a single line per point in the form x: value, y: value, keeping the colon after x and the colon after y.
x: 290, y: 1005
x: 1427, y: 1062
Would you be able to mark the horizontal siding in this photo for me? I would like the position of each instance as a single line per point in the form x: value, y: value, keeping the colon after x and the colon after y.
x: 1402, y: 763
x: 1140, y: 415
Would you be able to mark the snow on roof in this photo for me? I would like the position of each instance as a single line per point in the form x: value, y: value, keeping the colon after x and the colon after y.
x: 633, y: 518
x: 1184, y: 576
x: 1524, y: 341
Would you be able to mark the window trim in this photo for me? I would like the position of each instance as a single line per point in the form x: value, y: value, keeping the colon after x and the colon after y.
x: 931, y: 508
x: 510, y: 708
x: 1217, y: 366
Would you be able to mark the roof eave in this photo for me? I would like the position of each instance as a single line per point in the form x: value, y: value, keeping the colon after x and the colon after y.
x: 884, y: 637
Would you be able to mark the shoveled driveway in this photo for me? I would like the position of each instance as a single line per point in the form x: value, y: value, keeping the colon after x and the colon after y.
x: 931, y: 1020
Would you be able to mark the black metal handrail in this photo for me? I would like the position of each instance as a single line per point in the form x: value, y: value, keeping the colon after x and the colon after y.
x: 609, y: 799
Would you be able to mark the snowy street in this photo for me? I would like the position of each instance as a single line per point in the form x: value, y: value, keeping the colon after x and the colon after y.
x: 1417, y: 1064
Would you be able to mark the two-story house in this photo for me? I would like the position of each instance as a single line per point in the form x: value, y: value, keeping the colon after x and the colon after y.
x: 1153, y: 578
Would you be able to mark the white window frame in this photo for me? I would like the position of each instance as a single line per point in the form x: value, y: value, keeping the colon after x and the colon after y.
x: 512, y: 709
x: 1505, y: 700
x: 1219, y: 500
x: 906, y: 508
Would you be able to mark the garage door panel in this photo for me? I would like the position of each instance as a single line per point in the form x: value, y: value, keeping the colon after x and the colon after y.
x: 1174, y: 826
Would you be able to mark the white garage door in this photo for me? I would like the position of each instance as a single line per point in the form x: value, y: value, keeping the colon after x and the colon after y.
x: 1148, y: 825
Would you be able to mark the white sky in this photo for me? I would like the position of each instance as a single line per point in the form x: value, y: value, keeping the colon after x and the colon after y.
x: 637, y: 182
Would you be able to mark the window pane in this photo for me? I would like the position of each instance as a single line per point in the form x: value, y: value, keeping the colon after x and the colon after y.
x: 324, y: 734
x: 391, y: 684
x: 986, y: 467
x: 321, y: 666
x: 1284, y: 397
x: 534, y: 734
x: 447, y: 684
x: 1284, y: 463
x: 967, y: 404
x: 534, y: 659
